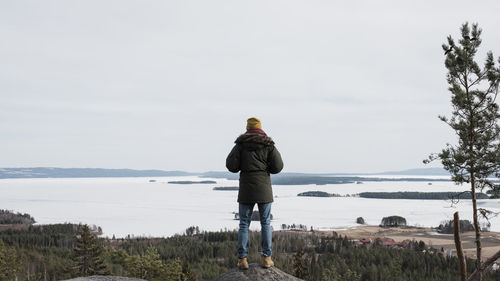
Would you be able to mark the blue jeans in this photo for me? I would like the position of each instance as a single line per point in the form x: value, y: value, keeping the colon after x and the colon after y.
x: 265, y: 228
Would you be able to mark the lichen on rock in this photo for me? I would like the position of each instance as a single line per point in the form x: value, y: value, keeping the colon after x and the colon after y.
x: 256, y: 273
x: 104, y: 278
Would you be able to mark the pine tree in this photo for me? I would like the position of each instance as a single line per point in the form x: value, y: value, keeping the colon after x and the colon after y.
x: 299, y: 265
x: 148, y: 266
x: 173, y: 271
x: 88, y: 258
x: 350, y: 276
x: 474, y: 119
x: 151, y: 267
x: 9, y: 263
x: 188, y: 275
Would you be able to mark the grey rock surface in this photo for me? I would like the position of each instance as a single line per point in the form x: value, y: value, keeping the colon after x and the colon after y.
x: 256, y: 273
x: 104, y: 278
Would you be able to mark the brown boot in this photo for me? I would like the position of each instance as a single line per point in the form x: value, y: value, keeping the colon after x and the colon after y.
x: 243, y: 263
x: 267, y: 262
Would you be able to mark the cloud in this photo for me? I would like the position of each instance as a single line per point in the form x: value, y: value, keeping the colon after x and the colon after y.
x: 342, y: 86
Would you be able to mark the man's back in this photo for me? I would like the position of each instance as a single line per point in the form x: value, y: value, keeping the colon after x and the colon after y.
x: 255, y: 156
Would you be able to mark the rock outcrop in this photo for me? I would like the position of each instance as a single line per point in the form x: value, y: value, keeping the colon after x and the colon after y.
x: 256, y: 273
x: 104, y: 278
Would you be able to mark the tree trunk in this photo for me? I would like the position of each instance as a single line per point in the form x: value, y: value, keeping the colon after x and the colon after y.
x: 458, y: 245
x: 476, y: 226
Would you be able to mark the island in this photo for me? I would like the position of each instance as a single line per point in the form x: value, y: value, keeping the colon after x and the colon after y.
x: 421, y: 195
x: 360, y: 220
x: 323, y: 180
x: 318, y: 194
x: 192, y: 182
x: 226, y: 188
x: 393, y: 221
x: 400, y: 195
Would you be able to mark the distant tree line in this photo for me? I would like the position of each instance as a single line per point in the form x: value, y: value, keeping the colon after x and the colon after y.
x: 447, y: 227
x: 421, y: 195
x: 9, y: 217
x: 294, y: 227
x: 206, y: 255
x: 192, y: 230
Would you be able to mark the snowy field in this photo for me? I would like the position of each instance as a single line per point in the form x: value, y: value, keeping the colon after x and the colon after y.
x: 138, y: 207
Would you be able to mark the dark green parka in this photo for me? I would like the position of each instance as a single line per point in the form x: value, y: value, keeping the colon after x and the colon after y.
x: 256, y: 157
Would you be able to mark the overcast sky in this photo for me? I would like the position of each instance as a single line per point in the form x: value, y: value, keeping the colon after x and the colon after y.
x: 341, y: 86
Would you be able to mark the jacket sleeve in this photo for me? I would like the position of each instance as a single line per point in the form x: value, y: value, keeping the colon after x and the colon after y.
x: 233, y: 160
x: 275, y: 163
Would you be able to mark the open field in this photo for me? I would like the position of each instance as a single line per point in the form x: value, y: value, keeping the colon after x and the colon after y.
x: 490, y: 240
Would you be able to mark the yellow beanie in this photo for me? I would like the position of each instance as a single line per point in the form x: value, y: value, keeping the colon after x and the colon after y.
x: 253, y: 123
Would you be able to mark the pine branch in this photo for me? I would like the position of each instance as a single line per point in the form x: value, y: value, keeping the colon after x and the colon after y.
x: 479, y: 78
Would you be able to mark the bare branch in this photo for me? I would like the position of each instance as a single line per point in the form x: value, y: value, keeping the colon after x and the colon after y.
x: 455, y: 199
x: 479, y: 78
x: 484, y: 266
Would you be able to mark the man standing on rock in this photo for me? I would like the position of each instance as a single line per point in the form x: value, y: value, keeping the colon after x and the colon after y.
x: 256, y: 157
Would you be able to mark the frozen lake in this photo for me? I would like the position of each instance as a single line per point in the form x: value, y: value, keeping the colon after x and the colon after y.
x: 138, y: 207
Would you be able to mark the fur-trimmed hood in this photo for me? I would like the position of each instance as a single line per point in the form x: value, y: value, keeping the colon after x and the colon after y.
x: 254, y: 138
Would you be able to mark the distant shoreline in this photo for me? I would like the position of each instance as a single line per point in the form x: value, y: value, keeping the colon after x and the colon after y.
x: 53, y: 172
x: 407, y: 195
x: 279, y: 179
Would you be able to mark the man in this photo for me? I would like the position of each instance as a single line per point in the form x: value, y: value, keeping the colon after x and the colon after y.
x: 256, y: 157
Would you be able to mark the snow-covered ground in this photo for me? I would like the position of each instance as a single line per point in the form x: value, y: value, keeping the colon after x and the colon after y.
x: 136, y: 206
